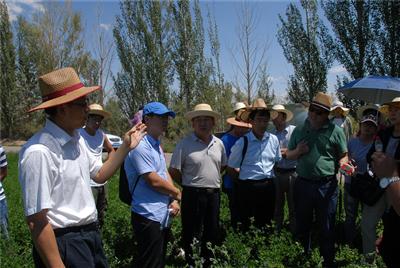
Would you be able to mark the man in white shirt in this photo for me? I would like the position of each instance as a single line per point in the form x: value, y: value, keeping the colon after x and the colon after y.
x: 55, y: 168
x: 96, y: 141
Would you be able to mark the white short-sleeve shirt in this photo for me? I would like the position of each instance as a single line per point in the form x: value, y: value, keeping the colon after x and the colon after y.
x: 54, y: 171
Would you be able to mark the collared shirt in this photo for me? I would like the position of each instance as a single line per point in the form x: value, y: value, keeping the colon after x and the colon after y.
x: 3, y: 163
x: 147, y: 157
x: 326, y: 146
x: 95, y: 146
x: 284, y: 137
x: 54, y: 172
x: 199, y: 163
x: 260, y: 157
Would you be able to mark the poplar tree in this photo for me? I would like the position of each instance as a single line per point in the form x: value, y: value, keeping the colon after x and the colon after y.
x: 9, y: 96
x: 304, y: 47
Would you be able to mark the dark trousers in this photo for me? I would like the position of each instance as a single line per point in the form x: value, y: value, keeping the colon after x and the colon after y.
x: 78, y: 247
x: 151, y: 240
x: 319, y: 197
x: 100, y: 198
x: 255, y: 199
x: 200, y: 220
x: 232, y: 207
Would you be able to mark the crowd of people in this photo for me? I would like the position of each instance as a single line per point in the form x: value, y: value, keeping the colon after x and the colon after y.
x: 63, y: 176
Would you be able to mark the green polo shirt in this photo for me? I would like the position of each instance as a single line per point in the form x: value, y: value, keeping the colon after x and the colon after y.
x: 326, y: 146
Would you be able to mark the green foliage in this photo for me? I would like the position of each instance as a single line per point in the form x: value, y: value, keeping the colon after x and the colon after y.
x: 143, y: 42
x: 9, y: 94
x: 304, y: 47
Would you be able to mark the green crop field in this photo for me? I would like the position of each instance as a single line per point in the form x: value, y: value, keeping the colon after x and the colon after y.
x: 253, y: 249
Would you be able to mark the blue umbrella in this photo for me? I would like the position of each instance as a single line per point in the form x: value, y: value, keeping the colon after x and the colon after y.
x: 373, y: 89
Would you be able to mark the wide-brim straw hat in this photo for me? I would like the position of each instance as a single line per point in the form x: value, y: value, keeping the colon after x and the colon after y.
x: 339, y: 105
x: 259, y: 105
x: 321, y: 100
x: 98, y: 110
x: 237, y: 122
x: 281, y: 109
x: 60, y: 87
x: 202, y: 109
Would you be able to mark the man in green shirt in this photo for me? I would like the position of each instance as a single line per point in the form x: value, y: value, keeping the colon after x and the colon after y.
x: 319, y: 147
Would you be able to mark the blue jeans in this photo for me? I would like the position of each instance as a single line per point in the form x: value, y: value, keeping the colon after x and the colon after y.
x: 319, y: 197
x: 4, y: 219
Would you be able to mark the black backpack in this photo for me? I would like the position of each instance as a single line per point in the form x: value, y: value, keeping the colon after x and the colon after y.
x: 125, y: 194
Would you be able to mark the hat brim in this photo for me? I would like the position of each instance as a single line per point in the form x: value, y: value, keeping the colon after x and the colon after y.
x: 344, y: 109
x: 289, y: 114
x: 76, y: 94
x: 102, y: 113
x: 244, y: 116
x: 307, y: 104
x: 232, y: 121
x: 192, y: 114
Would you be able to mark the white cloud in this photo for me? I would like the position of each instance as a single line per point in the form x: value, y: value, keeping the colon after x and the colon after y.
x: 337, y: 69
x: 18, y: 7
x: 105, y: 26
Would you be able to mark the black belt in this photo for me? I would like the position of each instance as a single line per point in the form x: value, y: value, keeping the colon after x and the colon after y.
x: 285, y: 170
x: 264, y: 181
x: 76, y: 229
x: 319, y: 179
x: 201, y: 189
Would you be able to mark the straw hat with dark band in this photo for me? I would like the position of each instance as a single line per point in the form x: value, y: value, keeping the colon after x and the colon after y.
x: 97, y: 109
x: 60, y: 87
x: 259, y: 105
x: 321, y: 100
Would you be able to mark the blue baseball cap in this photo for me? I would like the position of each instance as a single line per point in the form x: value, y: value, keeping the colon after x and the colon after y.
x: 157, y: 108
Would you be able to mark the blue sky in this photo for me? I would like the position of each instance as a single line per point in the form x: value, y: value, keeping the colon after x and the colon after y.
x: 226, y: 15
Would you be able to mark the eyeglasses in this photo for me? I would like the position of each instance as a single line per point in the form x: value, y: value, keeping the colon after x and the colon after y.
x: 317, y: 111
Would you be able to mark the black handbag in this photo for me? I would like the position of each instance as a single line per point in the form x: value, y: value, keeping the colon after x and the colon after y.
x: 366, y: 189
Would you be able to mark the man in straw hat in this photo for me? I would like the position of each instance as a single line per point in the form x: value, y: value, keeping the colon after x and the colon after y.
x: 285, y: 170
x: 196, y: 163
x: 154, y: 195
x: 96, y: 141
x: 251, y: 164
x: 238, y: 129
x: 319, y: 146
x: 340, y: 118
x: 55, y: 168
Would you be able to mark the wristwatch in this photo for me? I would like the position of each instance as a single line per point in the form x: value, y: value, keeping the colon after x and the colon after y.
x: 385, y: 182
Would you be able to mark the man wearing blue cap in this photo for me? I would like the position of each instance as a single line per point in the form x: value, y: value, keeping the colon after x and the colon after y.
x: 154, y: 196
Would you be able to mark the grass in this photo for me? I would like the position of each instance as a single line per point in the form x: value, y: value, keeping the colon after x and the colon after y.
x: 253, y: 249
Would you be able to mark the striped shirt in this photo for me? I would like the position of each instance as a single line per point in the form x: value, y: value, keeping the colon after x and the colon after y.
x: 3, y: 163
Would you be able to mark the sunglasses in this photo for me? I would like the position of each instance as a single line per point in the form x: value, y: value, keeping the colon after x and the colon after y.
x: 317, y: 111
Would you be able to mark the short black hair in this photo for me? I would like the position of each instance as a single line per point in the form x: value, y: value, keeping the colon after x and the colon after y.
x: 253, y: 113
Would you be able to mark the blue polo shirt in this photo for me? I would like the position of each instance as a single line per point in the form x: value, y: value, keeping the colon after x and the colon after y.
x: 228, y: 140
x: 260, y: 157
x: 147, y: 157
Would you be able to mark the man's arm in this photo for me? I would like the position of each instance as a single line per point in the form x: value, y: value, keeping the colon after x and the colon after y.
x: 44, y: 239
x: 175, y: 174
x: 162, y: 186
x: 301, y: 148
x: 385, y: 166
x: 108, y: 147
x: 131, y: 140
x: 3, y: 173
